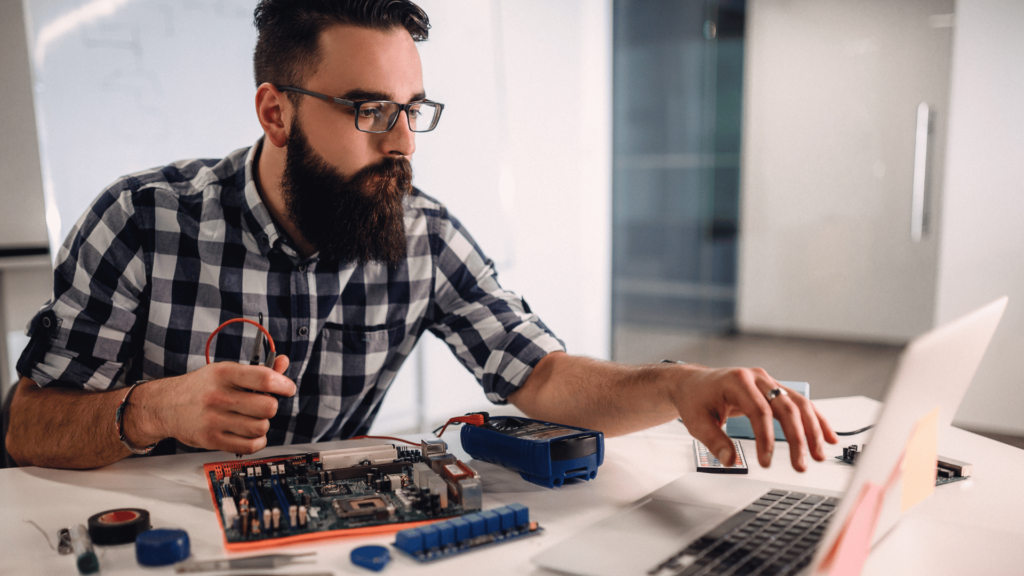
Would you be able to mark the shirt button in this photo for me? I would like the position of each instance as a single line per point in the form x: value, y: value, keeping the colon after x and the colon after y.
x: 303, y: 331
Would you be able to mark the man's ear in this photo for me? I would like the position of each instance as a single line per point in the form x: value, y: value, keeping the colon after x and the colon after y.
x: 272, y: 109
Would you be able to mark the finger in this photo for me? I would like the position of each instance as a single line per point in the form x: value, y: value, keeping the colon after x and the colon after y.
x: 234, y: 444
x: 249, y: 405
x: 244, y: 426
x: 261, y: 379
x: 712, y: 436
x: 752, y: 402
x: 826, y: 428
x: 788, y: 415
x: 812, y: 429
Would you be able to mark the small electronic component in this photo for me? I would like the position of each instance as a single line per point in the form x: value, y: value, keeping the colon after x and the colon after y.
x: 334, y: 493
x: 371, y: 557
x: 161, y: 546
x: 543, y: 453
x: 472, y: 531
x: 81, y: 545
x: 947, y: 470
x: 707, y: 462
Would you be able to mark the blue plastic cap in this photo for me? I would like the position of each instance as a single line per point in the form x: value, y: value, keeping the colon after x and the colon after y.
x: 462, y: 529
x: 522, y: 513
x: 508, y: 517
x: 371, y: 557
x: 410, y: 540
x: 431, y: 537
x: 492, y: 522
x: 476, y: 524
x: 447, y: 533
x: 161, y: 546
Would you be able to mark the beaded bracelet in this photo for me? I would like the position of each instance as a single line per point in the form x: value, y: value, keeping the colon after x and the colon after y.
x: 119, y: 423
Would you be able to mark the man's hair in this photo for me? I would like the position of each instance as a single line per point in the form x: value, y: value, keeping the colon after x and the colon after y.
x: 288, y: 48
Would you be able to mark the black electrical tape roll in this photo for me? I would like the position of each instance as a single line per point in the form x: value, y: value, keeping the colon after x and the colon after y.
x: 119, y: 526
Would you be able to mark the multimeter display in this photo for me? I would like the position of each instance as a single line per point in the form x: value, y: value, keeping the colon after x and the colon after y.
x: 543, y: 453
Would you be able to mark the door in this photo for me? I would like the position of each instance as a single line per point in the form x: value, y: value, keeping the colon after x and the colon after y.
x: 833, y: 91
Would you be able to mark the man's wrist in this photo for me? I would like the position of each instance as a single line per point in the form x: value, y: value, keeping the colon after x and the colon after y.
x: 140, y: 424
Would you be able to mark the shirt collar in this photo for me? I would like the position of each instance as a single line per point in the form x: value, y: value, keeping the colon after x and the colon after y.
x: 265, y: 231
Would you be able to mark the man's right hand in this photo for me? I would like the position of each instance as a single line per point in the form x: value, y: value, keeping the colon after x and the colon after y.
x: 214, y: 407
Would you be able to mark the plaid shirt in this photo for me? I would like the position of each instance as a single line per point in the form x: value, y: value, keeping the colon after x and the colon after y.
x: 163, y: 257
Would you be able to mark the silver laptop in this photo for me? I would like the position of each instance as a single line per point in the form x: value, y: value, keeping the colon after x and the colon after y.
x: 675, y: 530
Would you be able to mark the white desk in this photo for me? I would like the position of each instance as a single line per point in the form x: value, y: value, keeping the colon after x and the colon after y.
x: 970, y: 527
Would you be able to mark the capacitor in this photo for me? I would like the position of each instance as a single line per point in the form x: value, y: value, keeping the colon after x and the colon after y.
x: 293, y: 513
x: 276, y: 517
x: 307, y: 500
x: 255, y: 526
x: 322, y: 476
x: 266, y: 519
x: 302, y: 516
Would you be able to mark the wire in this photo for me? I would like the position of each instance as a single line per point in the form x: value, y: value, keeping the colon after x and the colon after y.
x: 855, y: 432
x: 232, y: 321
x: 383, y: 438
x: 472, y: 419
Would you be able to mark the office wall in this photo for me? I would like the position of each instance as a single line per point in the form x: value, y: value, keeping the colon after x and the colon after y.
x: 982, y: 250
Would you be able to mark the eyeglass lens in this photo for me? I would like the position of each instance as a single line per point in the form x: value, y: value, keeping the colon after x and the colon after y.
x: 380, y: 116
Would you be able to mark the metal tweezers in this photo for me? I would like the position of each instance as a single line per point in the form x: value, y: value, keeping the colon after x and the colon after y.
x: 250, y: 563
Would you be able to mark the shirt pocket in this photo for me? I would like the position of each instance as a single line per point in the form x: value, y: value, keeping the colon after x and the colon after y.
x: 352, y: 361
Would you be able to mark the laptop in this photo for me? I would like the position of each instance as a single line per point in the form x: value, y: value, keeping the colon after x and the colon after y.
x: 678, y: 529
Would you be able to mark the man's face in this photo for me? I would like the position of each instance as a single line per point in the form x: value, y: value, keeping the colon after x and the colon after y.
x: 343, y: 188
x: 360, y: 64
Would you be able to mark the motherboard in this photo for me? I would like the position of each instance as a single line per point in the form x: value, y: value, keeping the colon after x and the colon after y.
x: 363, y: 490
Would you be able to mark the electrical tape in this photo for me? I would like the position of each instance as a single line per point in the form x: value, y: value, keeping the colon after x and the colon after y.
x: 118, y: 526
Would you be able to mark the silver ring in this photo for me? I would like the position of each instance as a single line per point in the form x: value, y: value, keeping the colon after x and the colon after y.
x: 775, y: 393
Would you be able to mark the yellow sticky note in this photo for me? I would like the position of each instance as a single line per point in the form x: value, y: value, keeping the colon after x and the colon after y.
x: 919, y: 461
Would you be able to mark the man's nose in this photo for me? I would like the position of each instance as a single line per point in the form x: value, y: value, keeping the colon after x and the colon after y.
x: 400, y: 140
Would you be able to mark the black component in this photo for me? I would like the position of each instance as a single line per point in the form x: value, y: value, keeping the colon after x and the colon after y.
x: 288, y: 494
x: 505, y: 424
x: 322, y: 475
x: 301, y: 470
x: 313, y: 479
x: 118, y: 526
x: 307, y: 499
x: 573, y: 448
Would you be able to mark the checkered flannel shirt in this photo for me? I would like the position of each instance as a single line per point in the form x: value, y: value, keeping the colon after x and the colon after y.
x: 163, y: 257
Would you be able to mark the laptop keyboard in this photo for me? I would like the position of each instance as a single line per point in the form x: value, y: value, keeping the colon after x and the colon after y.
x: 775, y: 535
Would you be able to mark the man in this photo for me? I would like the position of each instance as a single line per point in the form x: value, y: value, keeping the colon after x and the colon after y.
x: 316, y: 228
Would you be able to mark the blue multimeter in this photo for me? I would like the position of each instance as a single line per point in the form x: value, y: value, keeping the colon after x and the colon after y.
x: 543, y: 453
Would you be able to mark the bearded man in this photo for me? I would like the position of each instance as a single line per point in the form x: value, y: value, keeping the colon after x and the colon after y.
x: 317, y: 230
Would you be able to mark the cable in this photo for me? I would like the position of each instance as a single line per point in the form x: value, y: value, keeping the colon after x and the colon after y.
x: 384, y: 438
x: 472, y: 419
x: 855, y: 432
x: 232, y: 321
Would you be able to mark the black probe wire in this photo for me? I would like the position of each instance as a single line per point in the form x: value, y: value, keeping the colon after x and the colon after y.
x: 855, y: 432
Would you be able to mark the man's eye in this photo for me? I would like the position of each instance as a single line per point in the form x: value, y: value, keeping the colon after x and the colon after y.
x: 369, y: 112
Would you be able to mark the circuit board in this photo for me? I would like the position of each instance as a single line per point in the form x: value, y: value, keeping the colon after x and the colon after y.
x: 348, y: 492
x: 947, y: 470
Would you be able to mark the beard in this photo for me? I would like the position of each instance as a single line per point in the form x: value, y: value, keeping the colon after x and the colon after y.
x: 357, y: 219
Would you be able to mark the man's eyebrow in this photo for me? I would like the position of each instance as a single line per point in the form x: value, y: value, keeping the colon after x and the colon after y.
x: 359, y: 95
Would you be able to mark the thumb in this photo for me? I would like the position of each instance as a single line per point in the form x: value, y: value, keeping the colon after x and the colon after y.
x: 717, y: 442
x: 281, y: 364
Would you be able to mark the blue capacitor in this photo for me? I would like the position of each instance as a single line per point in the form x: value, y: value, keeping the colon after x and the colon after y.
x: 161, y: 546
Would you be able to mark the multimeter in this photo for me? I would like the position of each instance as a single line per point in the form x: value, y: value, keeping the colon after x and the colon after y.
x: 543, y: 453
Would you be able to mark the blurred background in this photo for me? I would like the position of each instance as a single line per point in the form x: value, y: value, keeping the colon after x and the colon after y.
x: 801, y: 185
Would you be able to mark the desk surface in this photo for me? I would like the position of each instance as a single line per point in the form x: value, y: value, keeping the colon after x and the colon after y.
x: 969, y: 527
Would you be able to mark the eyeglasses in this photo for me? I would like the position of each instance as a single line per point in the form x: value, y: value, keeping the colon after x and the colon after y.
x: 379, y: 116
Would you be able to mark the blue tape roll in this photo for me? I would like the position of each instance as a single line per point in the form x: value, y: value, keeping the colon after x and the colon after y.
x: 161, y: 546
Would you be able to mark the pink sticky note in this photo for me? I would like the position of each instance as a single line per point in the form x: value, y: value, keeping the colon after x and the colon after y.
x: 919, y: 459
x: 851, y: 549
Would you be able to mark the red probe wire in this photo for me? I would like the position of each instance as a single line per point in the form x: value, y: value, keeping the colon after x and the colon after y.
x: 219, y: 328
x: 472, y: 419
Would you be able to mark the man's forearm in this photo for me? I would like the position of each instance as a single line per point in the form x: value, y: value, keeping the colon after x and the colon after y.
x: 66, y: 428
x: 613, y: 398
